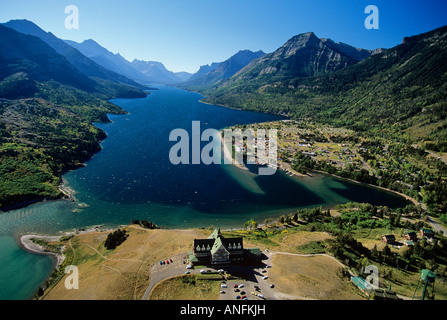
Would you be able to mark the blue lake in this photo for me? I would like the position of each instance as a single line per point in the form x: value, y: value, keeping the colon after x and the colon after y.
x: 132, y: 178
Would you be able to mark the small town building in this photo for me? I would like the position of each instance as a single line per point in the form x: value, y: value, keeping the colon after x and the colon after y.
x: 411, y: 236
x: 427, y: 233
x: 389, y: 238
x: 218, y: 250
x: 384, y: 294
x: 363, y: 285
x: 408, y: 243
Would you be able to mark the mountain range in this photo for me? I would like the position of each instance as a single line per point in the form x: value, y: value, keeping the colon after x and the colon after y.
x: 95, y: 61
x: 24, y: 57
x: 302, y: 56
x: 103, y: 57
x: 76, y: 58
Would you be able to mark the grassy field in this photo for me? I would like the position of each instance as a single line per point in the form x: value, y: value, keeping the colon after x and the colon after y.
x: 293, y: 241
x: 123, y: 273
x: 314, y: 277
x: 186, y: 288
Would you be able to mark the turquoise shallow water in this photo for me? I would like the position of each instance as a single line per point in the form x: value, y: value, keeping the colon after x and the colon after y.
x: 132, y: 178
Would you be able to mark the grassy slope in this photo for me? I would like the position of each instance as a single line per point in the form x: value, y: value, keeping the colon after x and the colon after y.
x: 123, y: 273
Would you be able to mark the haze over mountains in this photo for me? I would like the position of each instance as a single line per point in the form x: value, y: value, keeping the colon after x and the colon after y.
x: 210, y: 74
x: 93, y: 60
x: 303, y: 55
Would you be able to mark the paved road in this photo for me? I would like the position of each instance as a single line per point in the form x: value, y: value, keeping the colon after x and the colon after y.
x: 254, y: 276
x: 436, y: 226
x: 177, y: 268
x: 162, y: 272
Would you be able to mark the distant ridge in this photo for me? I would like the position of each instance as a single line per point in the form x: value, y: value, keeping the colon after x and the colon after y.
x: 85, y: 65
x: 109, y: 60
x: 156, y: 72
x: 209, y: 75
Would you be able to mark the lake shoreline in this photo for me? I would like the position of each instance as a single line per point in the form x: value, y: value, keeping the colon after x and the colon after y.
x: 26, y: 242
x: 414, y: 201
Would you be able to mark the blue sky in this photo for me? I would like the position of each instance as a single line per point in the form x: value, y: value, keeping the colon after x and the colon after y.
x: 185, y: 34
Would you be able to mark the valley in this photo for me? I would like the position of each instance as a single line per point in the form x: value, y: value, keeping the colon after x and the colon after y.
x: 85, y: 139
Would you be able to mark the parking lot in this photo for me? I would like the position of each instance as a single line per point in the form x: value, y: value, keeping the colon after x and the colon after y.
x: 256, y: 286
x: 241, y: 290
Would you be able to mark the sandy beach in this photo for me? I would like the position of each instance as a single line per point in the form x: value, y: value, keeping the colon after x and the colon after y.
x: 29, y: 245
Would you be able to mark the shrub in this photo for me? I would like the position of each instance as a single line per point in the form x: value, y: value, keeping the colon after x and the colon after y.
x: 115, y: 238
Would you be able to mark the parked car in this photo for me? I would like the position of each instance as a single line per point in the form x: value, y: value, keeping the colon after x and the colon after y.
x: 265, y: 277
x: 268, y: 266
x: 223, y: 285
x: 257, y: 288
x: 236, y: 290
x: 242, y: 292
x: 261, y: 296
x: 220, y: 270
x: 189, y: 266
x: 241, y: 286
x: 244, y: 298
x: 272, y: 286
x: 263, y: 271
x: 202, y: 271
x: 235, y: 286
x: 238, y: 297
x: 222, y: 292
x: 187, y: 272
